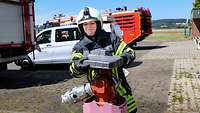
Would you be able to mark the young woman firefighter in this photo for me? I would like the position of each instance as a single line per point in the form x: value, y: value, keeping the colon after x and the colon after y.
x: 89, y: 22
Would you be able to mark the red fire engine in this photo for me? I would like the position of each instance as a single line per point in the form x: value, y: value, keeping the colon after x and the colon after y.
x: 135, y: 24
x: 16, y: 31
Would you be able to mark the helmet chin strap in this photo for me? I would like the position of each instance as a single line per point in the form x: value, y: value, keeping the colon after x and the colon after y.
x: 93, y: 38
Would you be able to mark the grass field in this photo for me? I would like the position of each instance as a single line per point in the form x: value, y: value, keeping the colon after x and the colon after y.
x: 167, y: 35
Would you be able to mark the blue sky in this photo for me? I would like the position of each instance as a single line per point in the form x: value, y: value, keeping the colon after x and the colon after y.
x: 160, y: 9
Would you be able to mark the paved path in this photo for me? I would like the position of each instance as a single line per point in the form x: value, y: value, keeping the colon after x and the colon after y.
x: 184, y: 93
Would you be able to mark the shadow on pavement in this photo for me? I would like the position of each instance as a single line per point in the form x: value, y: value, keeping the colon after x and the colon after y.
x: 40, y: 75
x: 14, y: 79
x: 134, y: 64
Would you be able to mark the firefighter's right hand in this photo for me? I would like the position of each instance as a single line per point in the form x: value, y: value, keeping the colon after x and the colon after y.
x: 80, y: 65
x: 128, y: 58
x: 125, y: 58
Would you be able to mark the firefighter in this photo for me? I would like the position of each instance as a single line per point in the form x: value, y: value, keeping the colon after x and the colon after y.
x: 93, y: 36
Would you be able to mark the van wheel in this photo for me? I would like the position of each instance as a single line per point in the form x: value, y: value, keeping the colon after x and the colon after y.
x: 26, y: 64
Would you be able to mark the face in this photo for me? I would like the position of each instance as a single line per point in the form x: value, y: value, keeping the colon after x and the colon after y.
x: 90, y: 28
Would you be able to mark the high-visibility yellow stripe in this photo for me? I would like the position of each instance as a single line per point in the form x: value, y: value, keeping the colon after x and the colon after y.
x: 74, y: 68
x: 89, y: 75
x: 129, y: 98
x: 132, y: 109
x: 123, y: 46
x: 121, y: 90
x: 115, y: 71
x: 131, y: 101
x: 120, y: 93
x: 77, y: 55
x: 75, y: 72
x: 71, y: 70
x: 93, y: 74
x: 120, y: 48
x: 131, y: 106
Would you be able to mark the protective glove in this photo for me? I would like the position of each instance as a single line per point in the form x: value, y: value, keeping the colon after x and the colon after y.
x: 128, y: 57
x: 125, y: 59
x: 80, y: 65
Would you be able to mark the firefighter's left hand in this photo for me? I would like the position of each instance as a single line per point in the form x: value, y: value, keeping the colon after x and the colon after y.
x: 128, y: 57
x: 125, y: 59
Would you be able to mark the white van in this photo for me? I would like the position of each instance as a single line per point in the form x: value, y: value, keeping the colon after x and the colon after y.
x: 54, y: 45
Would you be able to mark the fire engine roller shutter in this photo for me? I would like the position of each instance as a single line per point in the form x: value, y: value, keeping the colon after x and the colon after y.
x: 11, y: 29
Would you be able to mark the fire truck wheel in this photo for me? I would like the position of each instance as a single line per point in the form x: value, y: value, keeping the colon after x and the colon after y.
x: 3, y: 66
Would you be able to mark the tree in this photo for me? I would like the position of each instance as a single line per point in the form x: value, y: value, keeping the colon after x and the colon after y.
x: 196, y: 4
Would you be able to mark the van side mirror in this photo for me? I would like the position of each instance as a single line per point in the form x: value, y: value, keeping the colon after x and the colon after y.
x: 36, y: 46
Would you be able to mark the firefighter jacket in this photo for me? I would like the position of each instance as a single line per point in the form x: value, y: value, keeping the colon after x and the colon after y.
x: 119, y: 48
x: 104, y: 41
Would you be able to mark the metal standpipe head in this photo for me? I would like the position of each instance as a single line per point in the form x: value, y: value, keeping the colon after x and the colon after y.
x: 70, y: 96
x: 66, y: 97
x: 77, y: 94
x: 63, y: 98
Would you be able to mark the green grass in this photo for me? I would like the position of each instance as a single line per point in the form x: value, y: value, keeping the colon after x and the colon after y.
x: 167, y: 35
